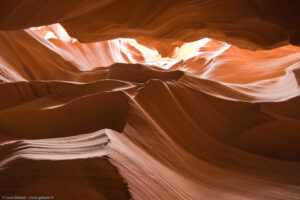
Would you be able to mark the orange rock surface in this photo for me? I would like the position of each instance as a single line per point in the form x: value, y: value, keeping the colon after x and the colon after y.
x: 150, y: 99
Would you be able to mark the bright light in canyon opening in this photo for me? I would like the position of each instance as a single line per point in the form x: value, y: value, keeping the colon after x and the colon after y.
x: 185, y: 51
x: 151, y: 56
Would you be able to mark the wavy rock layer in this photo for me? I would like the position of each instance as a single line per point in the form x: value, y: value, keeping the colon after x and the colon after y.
x: 251, y: 146
x: 170, y: 120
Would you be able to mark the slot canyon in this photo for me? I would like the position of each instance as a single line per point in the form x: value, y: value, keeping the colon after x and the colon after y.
x: 150, y: 99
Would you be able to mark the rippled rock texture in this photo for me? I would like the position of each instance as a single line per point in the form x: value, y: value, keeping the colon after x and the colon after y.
x: 150, y: 99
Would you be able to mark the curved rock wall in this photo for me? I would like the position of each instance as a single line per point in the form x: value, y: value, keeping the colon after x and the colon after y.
x: 169, y: 99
